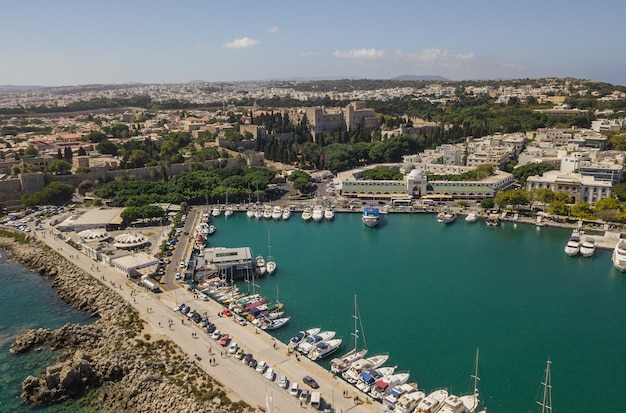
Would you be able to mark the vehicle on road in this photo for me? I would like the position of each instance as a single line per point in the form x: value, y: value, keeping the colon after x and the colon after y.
x: 239, y: 354
x: 217, y: 334
x: 283, y: 381
x: 269, y: 374
x: 304, y: 396
x: 310, y: 381
x: 294, y: 390
x: 242, y: 321
x: 260, y: 368
x: 224, y: 340
x: 232, y: 349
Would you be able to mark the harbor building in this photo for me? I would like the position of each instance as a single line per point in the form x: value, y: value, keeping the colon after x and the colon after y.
x: 232, y: 263
x: 581, y: 188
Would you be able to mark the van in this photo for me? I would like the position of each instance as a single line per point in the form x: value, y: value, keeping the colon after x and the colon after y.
x: 316, y: 400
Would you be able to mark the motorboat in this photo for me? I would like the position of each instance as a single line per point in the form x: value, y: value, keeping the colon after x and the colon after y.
x: 277, y: 323
x: 446, y: 217
x: 270, y: 267
x: 324, y: 349
x: 493, y: 220
x: 216, y: 211
x: 369, y: 378
x: 228, y: 212
x: 393, y: 395
x: 260, y: 265
x: 408, y: 402
x: 371, y: 215
x: 286, y: 214
x: 433, y: 402
x: 258, y: 213
x: 277, y: 212
x: 619, y: 256
x: 351, y: 375
x: 588, y: 247
x: 307, y: 213
x: 453, y: 404
x: 250, y: 213
x: 471, y: 217
x: 311, y: 341
x: 318, y: 213
x: 384, y: 385
x: 329, y: 214
x: 298, y: 338
x: 205, y: 216
x: 211, y: 229
x: 572, y: 247
x: 267, y: 212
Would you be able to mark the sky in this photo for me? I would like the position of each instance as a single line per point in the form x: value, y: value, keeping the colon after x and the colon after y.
x: 63, y: 42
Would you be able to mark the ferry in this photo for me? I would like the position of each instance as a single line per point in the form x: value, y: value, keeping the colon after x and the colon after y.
x: 371, y: 215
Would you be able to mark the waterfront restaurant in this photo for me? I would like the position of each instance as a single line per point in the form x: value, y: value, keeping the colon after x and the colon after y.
x: 230, y: 262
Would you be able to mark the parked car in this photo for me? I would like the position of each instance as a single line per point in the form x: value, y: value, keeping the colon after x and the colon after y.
x: 246, y: 359
x: 294, y: 390
x: 283, y: 381
x: 260, y: 368
x: 227, y: 312
x: 239, y: 354
x: 269, y: 374
x: 210, y: 328
x: 217, y: 334
x: 304, y: 396
x: 232, y: 349
x: 242, y: 321
x: 224, y: 340
x: 252, y: 363
x: 310, y: 381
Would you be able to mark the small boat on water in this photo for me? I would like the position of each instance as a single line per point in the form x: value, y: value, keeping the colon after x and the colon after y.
x: 324, y: 349
x: 341, y: 364
x: 351, y: 375
x: 298, y: 338
x: 260, y: 265
x: 619, y: 256
x: 286, y: 214
x: 493, y: 220
x: 446, y: 217
x: 318, y: 213
x: 216, y: 211
x: 307, y: 213
x: 329, y: 214
x: 408, y: 402
x: 588, y: 247
x: 368, y: 378
x: 250, y: 213
x: 383, y: 386
x: 277, y: 323
x: 471, y: 217
x: 572, y: 247
x: 433, y: 402
x: 393, y: 395
x: 267, y: 212
x: 371, y: 215
x: 311, y: 341
x: 211, y: 229
x: 277, y: 212
x: 270, y: 264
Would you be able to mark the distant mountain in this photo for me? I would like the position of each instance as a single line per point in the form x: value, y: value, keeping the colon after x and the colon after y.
x: 14, y: 88
x: 417, y: 78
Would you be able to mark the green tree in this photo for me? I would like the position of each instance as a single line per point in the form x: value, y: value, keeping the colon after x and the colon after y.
x: 81, y: 151
x: 522, y: 173
x: 30, y: 152
x: 59, y: 167
x: 487, y: 203
x: 138, y: 158
x: 67, y: 154
x: 606, y: 203
x: 558, y: 207
x: 106, y: 147
x: 582, y: 210
x: 512, y: 197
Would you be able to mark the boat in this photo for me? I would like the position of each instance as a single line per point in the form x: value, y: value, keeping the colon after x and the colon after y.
x: 588, y: 246
x: 277, y: 212
x: 211, y: 229
x: 307, y: 213
x: 229, y: 210
x: 341, y: 364
x: 298, y: 338
x: 471, y: 401
x: 324, y: 349
x: 369, y: 378
x: 393, y: 395
x: 546, y: 399
x: 329, y: 214
x: 205, y: 216
x: 267, y: 212
x: 384, y: 385
x: 493, y: 220
x: 318, y: 213
x: 446, y: 217
x: 619, y: 256
x: 539, y: 221
x: 277, y: 323
x: 408, y: 402
x: 453, y: 404
x: 260, y: 265
x: 311, y: 341
x: 351, y: 375
x: 572, y: 247
x: 286, y: 214
x: 371, y: 215
x: 270, y: 264
x: 216, y: 211
x: 432, y: 403
x: 250, y: 213
x: 471, y: 217
x: 258, y: 213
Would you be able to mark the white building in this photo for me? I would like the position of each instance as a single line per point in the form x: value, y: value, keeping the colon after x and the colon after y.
x: 580, y: 188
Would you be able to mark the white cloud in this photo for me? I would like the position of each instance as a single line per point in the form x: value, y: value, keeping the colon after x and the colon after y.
x: 242, y: 43
x: 308, y: 53
x: 365, y: 54
x: 433, y: 56
x: 273, y: 30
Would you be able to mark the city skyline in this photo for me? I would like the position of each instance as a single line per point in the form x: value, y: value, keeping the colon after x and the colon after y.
x: 65, y: 43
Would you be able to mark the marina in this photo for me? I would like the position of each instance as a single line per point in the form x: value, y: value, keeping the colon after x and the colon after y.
x: 495, y: 272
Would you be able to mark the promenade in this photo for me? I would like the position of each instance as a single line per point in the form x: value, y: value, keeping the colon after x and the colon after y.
x: 243, y: 383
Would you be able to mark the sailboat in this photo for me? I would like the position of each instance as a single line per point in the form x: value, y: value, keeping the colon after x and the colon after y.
x: 229, y: 210
x: 270, y: 264
x: 546, y: 400
x: 341, y: 364
x: 471, y: 401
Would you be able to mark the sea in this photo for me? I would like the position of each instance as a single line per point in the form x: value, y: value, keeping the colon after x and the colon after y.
x: 27, y: 300
x: 428, y: 294
x: 432, y: 295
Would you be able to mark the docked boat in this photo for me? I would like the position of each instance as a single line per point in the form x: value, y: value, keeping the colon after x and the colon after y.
x: 408, y: 402
x: 258, y: 213
x: 433, y: 402
x: 588, y: 247
x: 267, y: 212
x: 351, y: 375
x: 277, y: 323
x: 453, y: 404
x: 329, y: 214
x: 270, y: 265
x: 324, y: 349
x: 286, y: 214
x: 298, y: 338
x: 307, y: 213
x: 369, y: 378
x: 393, y: 396
x: 260, y: 265
x: 205, y: 216
x: 384, y: 385
x: 619, y: 256
x: 228, y: 212
x: 371, y: 215
x: 250, y: 213
x: 471, y: 217
x: 216, y: 211
x: 211, y: 229
x: 493, y: 220
x: 446, y: 217
x: 341, y: 364
x: 471, y: 401
x: 277, y: 212
x: 311, y: 341
x: 318, y: 213
x: 572, y: 247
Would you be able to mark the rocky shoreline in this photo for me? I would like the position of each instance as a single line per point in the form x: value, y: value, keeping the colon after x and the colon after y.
x: 112, y: 361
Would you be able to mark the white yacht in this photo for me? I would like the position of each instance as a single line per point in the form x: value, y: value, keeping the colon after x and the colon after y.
x: 324, y: 349
x: 572, y: 247
x: 383, y: 386
x: 267, y: 212
x: 351, y: 375
x: 588, y: 247
x: 250, y: 213
x: 260, y: 265
x: 277, y: 212
x: 307, y: 214
x: 228, y: 212
x: 329, y: 214
x: 369, y: 378
x: 433, y: 402
x: 393, y: 396
x: 407, y: 402
x: 258, y: 213
x: 471, y: 217
x: 446, y: 217
x: 619, y: 256
x: 270, y: 267
x: 318, y: 213
x: 298, y: 338
x: 286, y: 214
x: 453, y: 404
x: 216, y: 211
x: 311, y: 341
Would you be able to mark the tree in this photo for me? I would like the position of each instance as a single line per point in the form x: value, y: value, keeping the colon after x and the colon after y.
x: 67, y: 154
x: 59, y: 154
x: 138, y: 158
x: 522, y: 173
x: 558, y: 207
x: 487, y: 203
x: 582, y: 210
x: 59, y: 167
x: 512, y: 197
x: 606, y: 203
x: 106, y: 147
x: 30, y: 152
x: 81, y: 151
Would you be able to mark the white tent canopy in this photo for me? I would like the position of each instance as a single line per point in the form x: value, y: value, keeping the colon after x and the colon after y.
x: 97, y: 234
x: 130, y: 240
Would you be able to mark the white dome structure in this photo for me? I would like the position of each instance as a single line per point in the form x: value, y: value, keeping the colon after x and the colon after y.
x: 98, y: 234
x: 130, y: 240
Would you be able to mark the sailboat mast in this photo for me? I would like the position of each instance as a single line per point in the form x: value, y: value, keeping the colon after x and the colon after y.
x: 356, y: 319
x: 475, y: 377
x: 546, y: 401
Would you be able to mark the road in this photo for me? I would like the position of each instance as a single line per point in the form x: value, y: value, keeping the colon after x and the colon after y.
x: 242, y: 382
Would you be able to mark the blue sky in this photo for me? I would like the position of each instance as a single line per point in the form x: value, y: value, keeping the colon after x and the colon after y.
x: 82, y: 42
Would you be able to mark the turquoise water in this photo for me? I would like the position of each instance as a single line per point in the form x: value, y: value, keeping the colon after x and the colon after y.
x: 430, y: 295
x: 28, y: 301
